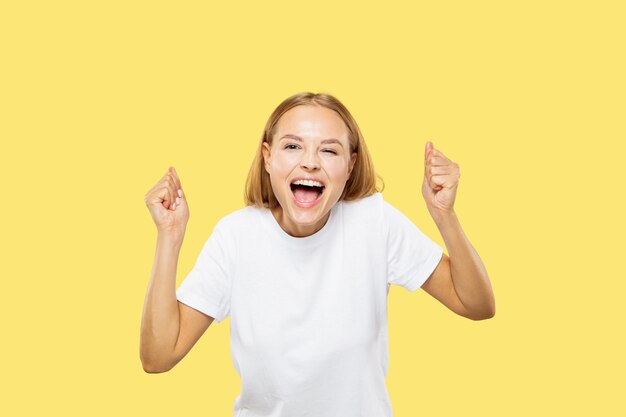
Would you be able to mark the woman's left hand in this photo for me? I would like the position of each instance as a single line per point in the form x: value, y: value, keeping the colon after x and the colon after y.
x: 441, y: 180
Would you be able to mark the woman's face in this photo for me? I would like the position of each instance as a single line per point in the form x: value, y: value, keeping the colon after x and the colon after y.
x: 311, y: 142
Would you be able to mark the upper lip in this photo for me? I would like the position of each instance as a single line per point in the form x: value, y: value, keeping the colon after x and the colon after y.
x: 308, y: 178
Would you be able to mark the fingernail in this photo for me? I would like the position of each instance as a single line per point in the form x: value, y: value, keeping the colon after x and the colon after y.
x: 180, y: 192
x: 174, y: 206
x: 177, y: 200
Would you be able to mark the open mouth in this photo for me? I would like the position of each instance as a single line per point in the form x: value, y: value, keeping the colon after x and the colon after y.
x: 305, y: 193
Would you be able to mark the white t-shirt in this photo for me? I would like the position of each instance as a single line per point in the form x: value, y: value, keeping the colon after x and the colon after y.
x: 308, y: 316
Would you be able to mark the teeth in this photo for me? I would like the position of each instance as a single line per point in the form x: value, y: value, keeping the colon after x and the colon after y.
x: 310, y: 183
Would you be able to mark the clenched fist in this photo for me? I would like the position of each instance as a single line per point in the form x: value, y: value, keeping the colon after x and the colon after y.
x: 168, y: 205
x: 441, y: 181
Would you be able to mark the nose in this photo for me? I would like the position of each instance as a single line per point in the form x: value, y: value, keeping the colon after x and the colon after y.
x: 309, y: 160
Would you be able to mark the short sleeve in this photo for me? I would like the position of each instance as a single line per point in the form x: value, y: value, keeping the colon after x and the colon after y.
x: 207, y: 287
x: 411, y: 255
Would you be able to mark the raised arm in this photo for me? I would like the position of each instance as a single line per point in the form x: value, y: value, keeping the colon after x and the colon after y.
x: 169, y: 329
x: 460, y: 281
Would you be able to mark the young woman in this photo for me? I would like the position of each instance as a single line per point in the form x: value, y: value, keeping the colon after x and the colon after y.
x: 304, y: 269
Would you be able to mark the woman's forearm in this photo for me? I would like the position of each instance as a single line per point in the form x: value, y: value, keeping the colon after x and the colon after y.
x: 469, y: 274
x: 160, y: 322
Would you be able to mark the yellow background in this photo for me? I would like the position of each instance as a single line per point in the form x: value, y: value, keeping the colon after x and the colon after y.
x: 98, y: 99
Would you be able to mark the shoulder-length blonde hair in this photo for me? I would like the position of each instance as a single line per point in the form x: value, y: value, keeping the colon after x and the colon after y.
x: 362, y: 181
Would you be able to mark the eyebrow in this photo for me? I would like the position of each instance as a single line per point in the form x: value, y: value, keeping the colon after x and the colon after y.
x: 299, y: 139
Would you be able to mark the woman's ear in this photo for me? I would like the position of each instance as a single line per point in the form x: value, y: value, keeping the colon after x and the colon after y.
x: 266, y: 156
x: 352, y: 161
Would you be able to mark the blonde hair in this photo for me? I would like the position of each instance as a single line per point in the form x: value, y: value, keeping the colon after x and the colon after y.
x: 362, y: 181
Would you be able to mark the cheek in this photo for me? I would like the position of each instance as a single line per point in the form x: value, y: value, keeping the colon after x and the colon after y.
x: 282, y: 165
x: 336, y: 168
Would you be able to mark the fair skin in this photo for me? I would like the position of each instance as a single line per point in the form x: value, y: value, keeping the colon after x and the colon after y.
x: 460, y: 281
x: 312, y: 142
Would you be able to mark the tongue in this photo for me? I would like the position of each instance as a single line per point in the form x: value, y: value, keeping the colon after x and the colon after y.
x: 306, y: 195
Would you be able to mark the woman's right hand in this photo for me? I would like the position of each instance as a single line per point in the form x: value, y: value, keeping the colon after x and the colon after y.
x: 169, y: 210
